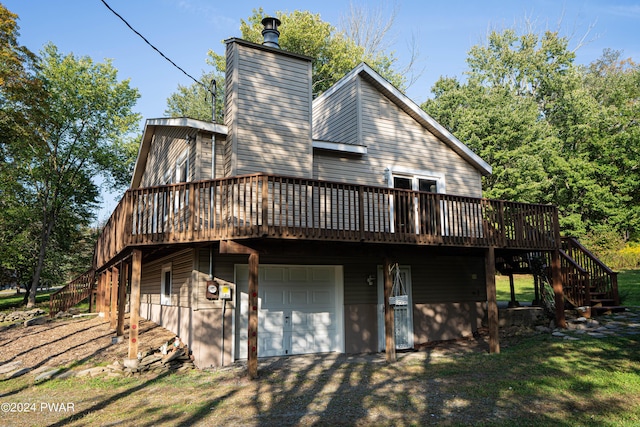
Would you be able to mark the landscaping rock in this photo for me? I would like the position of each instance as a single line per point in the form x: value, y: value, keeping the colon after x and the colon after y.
x: 36, y: 321
x: 47, y: 375
x: 148, y: 360
x: 17, y: 373
x: 9, y: 367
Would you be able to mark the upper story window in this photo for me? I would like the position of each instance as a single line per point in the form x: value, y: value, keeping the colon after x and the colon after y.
x: 416, y: 180
x: 182, y: 167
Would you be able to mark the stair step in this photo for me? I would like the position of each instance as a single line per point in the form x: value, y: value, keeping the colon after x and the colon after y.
x: 602, y: 302
x: 607, y: 309
x: 597, y: 295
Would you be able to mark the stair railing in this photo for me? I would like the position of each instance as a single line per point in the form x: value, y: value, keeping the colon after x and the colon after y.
x: 576, y: 281
x: 604, y: 281
x: 77, y: 290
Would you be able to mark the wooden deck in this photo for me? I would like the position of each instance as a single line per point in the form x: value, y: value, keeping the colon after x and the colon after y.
x: 268, y: 206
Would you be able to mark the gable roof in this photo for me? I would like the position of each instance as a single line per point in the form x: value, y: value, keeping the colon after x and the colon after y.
x: 412, y: 109
x: 149, y: 130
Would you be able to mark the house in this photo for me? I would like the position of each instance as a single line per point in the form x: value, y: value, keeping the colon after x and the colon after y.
x: 348, y: 223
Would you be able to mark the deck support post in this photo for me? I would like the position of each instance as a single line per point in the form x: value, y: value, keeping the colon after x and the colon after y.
x: 513, y: 302
x: 492, y: 304
x: 115, y: 284
x: 122, y: 297
x: 134, y: 319
x: 252, y: 349
x: 389, y: 323
x: 556, y: 274
x: 108, y: 275
x: 536, y: 289
x: 101, y: 290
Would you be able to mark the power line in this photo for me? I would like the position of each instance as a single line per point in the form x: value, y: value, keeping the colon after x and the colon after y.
x: 155, y: 48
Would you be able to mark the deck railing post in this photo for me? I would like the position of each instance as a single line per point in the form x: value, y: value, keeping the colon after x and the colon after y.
x: 361, y: 212
x: 265, y: 206
x: 501, y: 224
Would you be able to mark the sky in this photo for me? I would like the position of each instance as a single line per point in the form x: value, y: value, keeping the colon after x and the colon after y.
x: 185, y: 30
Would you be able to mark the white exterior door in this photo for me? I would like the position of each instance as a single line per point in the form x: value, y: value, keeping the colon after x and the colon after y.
x: 299, y: 310
x: 403, y: 314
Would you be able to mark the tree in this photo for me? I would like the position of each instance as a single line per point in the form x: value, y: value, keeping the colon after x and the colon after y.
x: 195, y: 100
x: 19, y: 88
x: 334, y: 55
x: 73, y: 134
x: 555, y: 132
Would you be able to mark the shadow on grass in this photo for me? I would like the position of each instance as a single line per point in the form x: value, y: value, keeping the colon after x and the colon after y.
x: 62, y: 338
x: 106, y: 402
x: 545, y: 382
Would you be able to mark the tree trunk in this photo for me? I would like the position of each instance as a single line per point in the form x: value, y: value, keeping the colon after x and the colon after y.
x: 44, y: 242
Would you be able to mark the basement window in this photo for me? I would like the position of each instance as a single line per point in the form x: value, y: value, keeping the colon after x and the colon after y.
x: 165, y: 285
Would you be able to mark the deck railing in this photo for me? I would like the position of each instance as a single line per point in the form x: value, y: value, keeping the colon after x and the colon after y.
x: 297, y: 208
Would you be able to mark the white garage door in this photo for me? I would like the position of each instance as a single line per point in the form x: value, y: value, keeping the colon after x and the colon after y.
x: 300, y: 310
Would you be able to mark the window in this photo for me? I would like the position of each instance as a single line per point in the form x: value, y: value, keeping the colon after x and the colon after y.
x: 165, y: 285
x: 415, y: 214
x: 182, y: 167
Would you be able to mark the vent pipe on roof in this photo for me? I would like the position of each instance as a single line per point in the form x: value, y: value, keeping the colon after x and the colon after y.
x: 270, y: 32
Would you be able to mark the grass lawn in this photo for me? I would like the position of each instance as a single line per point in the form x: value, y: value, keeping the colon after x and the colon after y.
x: 10, y: 301
x: 629, y: 287
x: 523, y: 284
x: 540, y: 381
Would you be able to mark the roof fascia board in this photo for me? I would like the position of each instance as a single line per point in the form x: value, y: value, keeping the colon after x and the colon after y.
x: 337, y: 146
x: 188, y: 122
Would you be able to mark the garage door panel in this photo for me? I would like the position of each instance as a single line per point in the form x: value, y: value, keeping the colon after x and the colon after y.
x: 298, y: 298
x: 322, y: 274
x: 322, y: 297
x: 271, y: 345
x: 272, y: 322
x: 312, y: 343
x: 274, y: 274
x: 321, y: 322
x: 298, y: 274
x: 272, y: 298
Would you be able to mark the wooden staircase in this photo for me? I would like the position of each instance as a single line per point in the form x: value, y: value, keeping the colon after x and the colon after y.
x: 76, y: 291
x: 586, y: 281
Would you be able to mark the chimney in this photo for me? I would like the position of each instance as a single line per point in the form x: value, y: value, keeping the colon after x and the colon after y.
x: 270, y: 32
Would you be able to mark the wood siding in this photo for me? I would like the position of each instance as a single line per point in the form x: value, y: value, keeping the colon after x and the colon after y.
x: 336, y: 118
x: 168, y: 144
x: 181, y: 269
x: 268, y: 108
x: 393, y: 139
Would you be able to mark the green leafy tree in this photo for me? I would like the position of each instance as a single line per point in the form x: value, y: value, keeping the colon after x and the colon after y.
x: 555, y: 132
x: 334, y: 55
x: 72, y: 135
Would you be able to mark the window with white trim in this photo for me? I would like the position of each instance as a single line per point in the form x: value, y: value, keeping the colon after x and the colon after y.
x: 416, y: 214
x: 182, y: 167
x: 165, y: 285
